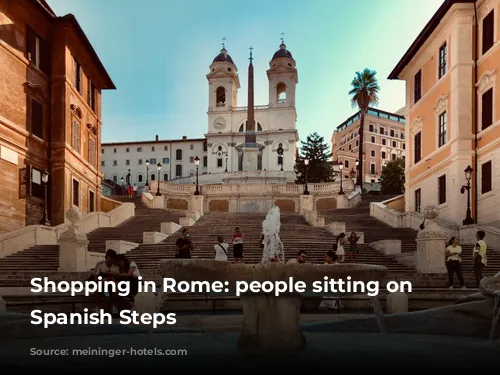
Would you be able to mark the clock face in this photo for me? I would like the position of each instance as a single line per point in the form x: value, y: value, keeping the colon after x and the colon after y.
x: 220, y: 123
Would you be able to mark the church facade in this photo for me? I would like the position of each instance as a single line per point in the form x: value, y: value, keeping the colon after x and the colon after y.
x: 275, y: 122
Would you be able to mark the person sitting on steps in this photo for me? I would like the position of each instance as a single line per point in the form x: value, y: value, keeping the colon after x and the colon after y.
x: 128, y: 272
x: 299, y: 259
x: 105, y: 269
x: 220, y: 249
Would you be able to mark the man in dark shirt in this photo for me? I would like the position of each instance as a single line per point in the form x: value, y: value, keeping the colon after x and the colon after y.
x: 184, y: 245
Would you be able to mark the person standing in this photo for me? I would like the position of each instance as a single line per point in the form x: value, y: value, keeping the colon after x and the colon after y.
x: 479, y: 259
x: 129, y: 191
x: 340, y: 248
x: 184, y: 245
x: 134, y: 191
x: 454, y: 262
x: 221, y: 249
x: 237, y: 241
x: 353, y: 247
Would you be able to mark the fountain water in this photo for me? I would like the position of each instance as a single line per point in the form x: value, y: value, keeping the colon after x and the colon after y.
x: 273, y: 247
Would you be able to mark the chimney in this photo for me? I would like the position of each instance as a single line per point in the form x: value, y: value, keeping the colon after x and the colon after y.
x: 156, y: 137
x: 184, y: 137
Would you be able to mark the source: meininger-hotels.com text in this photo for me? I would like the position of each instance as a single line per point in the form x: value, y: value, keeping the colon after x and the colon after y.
x: 277, y: 288
x: 108, y: 352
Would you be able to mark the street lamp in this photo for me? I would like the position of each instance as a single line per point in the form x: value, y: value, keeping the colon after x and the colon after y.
x: 306, y: 163
x: 357, y: 171
x: 341, y: 166
x: 45, y: 179
x: 158, y: 180
x: 468, y: 176
x: 226, y: 163
x: 197, y: 162
x: 280, y: 153
x: 123, y: 186
x: 147, y: 172
x: 128, y: 177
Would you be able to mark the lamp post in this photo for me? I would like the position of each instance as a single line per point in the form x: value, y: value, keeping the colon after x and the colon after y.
x: 280, y: 153
x: 357, y: 172
x: 45, y: 179
x: 147, y: 172
x: 128, y: 177
x: 197, y: 162
x: 158, y: 180
x: 306, y: 163
x: 226, y: 163
x: 123, y: 186
x: 468, y: 176
x: 341, y: 166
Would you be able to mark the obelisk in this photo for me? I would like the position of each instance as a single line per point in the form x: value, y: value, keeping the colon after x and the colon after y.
x: 250, y: 149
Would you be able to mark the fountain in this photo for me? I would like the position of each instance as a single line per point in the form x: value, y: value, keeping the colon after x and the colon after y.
x: 271, y: 322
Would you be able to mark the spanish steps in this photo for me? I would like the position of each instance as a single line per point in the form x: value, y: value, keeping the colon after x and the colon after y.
x: 296, y: 234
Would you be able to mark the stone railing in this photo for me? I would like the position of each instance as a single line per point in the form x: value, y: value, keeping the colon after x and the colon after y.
x: 218, y: 178
x: 35, y: 235
x: 108, y: 204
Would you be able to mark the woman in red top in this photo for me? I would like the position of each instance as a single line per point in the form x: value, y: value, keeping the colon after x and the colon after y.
x: 237, y: 241
x: 130, y: 191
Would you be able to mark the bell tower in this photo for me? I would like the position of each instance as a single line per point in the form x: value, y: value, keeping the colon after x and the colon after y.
x: 223, y: 82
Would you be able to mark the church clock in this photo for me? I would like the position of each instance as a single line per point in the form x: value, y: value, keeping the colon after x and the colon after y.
x: 220, y: 123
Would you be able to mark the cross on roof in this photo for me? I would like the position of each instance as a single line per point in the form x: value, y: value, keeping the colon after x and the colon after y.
x: 224, y: 42
x: 251, y: 56
x: 283, y: 38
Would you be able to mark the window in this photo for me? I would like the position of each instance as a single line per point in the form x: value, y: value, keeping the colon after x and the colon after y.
x: 417, y: 87
x: 139, y: 161
x: 102, y: 151
x: 77, y: 76
x: 153, y: 177
x: 191, y: 147
x: 91, y: 95
x: 442, y: 60
x: 487, y: 109
x: 165, y: 160
x: 488, y: 31
x: 442, y: 129
x: 92, y: 158
x: 36, y: 118
x: 76, y: 135
x: 76, y: 193
x: 205, y: 147
x: 139, y: 149
x: 442, y: 189
x: 37, y: 50
x: 373, y: 139
x: 370, y: 128
x: 178, y: 170
x: 486, y: 180
x: 91, y: 201
x: 153, y: 149
x: 357, y: 143
x: 152, y: 161
x: 37, y: 189
x: 372, y: 153
x: 381, y: 130
x: 178, y: 155
x: 102, y: 163
x: 350, y: 147
x: 114, y: 151
x: 205, y: 161
x: 394, y: 144
x: 384, y: 142
x: 191, y: 159
x: 346, y: 163
x: 393, y: 156
x: 280, y: 159
x: 165, y: 148
x: 417, y: 145
x: 139, y: 178
x: 127, y: 162
x: 383, y: 154
x: 404, y: 146
x: 392, y: 133
x: 115, y: 179
x: 418, y: 200
x: 372, y: 169
x: 165, y: 176
x: 127, y: 149
x: 219, y: 163
x: 115, y: 163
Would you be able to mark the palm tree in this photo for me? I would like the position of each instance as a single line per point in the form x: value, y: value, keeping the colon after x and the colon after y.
x: 364, y: 93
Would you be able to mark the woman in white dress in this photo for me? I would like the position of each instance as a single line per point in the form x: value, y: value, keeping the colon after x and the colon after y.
x: 340, y: 248
x: 221, y: 249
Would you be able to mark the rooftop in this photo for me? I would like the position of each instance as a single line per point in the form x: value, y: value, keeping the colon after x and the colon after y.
x: 372, y: 112
x: 183, y: 139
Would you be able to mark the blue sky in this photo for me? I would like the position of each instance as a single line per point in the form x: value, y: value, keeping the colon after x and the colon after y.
x: 158, y: 52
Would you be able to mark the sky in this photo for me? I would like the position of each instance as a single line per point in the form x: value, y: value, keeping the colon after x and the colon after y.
x: 158, y: 52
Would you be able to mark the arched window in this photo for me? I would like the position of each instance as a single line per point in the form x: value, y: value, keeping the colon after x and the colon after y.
x: 165, y: 176
x: 191, y: 174
x: 178, y: 170
x: 153, y: 177
x: 220, y: 96
x: 139, y: 177
x: 115, y: 179
x: 178, y: 155
x: 281, y: 93
x: 243, y: 127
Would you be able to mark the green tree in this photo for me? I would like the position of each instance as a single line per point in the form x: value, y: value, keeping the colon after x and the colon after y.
x: 392, y: 178
x: 364, y: 93
x: 320, y: 168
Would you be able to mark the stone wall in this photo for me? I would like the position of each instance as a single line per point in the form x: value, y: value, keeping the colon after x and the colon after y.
x: 177, y: 204
x: 285, y: 205
x: 220, y: 205
x: 326, y: 204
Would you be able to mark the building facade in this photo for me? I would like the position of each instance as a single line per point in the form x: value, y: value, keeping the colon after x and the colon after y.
x: 50, y: 115
x: 275, y: 123
x: 129, y: 160
x: 384, y: 140
x: 453, y: 112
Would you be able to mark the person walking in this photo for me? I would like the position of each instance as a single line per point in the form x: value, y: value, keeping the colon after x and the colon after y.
x: 454, y: 262
x: 479, y: 259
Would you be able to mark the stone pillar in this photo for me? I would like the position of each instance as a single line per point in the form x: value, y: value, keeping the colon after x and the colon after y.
x: 271, y: 323
x: 431, y: 244
x: 197, y: 204
x: 159, y: 201
x: 73, y: 246
x: 342, y: 201
x: 306, y: 204
x: 250, y: 158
